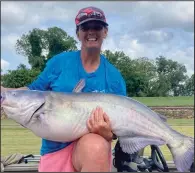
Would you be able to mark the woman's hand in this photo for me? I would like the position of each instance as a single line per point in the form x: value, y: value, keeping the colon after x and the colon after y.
x: 99, y: 123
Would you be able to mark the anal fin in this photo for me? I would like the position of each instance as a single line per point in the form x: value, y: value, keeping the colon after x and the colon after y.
x: 131, y: 145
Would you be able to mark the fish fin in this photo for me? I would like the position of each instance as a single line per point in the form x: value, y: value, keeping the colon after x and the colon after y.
x: 23, y: 126
x: 162, y: 117
x: 79, y: 86
x: 183, y: 154
x: 131, y: 145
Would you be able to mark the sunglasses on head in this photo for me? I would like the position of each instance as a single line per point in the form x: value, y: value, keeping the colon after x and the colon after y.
x: 95, y: 14
x: 87, y: 27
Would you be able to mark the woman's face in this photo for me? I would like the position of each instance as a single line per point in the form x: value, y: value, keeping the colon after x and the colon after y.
x: 91, y: 34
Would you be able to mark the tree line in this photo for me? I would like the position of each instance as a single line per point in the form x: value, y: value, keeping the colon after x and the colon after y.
x: 144, y: 77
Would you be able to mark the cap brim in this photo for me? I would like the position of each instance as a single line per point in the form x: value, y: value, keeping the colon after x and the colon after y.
x: 92, y: 19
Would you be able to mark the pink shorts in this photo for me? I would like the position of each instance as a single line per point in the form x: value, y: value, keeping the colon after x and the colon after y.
x: 60, y: 161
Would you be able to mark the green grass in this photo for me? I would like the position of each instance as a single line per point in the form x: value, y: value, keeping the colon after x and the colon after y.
x: 166, y: 101
x: 16, y: 139
x: 181, y: 122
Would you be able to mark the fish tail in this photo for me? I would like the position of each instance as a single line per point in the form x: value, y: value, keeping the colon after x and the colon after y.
x: 183, y: 153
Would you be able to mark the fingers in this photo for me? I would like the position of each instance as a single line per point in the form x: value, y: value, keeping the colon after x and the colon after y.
x: 100, y: 113
x: 92, y: 118
x: 96, y: 115
x: 99, y: 123
x: 89, y: 125
x: 97, y: 119
x: 106, y: 118
x: 90, y: 121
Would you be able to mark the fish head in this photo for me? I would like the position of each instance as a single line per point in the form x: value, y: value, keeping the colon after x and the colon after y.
x: 21, y: 105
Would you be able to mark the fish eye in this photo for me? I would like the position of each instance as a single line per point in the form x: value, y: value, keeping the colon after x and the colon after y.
x: 13, y: 93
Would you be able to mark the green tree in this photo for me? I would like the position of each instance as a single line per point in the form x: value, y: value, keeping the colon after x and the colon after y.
x: 160, y: 86
x: 58, y: 41
x: 170, y: 76
x: 144, y: 71
x: 20, y: 77
x: 40, y: 45
x: 137, y: 73
x: 189, y: 86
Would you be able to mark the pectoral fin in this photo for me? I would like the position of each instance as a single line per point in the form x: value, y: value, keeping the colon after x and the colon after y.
x: 131, y: 145
x: 23, y: 126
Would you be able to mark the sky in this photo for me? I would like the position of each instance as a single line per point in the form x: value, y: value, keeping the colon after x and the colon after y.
x: 138, y: 28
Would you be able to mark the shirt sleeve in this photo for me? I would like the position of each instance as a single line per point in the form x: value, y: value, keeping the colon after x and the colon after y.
x: 44, y: 79
x: 115, y: 80
x: 119, y: 86
x: 122, y: 87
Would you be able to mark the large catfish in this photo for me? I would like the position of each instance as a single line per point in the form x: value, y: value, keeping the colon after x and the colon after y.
x: 62, y: 117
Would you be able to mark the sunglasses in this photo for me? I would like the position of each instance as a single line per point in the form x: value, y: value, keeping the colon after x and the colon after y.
x: 95, y: 14
x: 87, y: 27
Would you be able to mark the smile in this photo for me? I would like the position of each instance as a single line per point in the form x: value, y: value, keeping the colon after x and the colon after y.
x: 92, y: 39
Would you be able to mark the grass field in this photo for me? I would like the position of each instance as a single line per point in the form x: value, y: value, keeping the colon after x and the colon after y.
x: 166, y: 101
x: 16, y: 139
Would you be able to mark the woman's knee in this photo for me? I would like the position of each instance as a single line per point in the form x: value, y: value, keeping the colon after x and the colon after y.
x: 97, y: 143
x: 93, y: 148
x: 94, y: 143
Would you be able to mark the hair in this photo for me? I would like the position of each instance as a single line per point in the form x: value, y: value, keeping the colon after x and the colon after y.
x: 77, y: 29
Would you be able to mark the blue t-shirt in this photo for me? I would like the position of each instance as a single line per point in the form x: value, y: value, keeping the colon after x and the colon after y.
x: 62, y: 73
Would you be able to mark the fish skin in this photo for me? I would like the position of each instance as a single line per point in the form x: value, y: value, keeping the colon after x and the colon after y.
x: 62, y: 117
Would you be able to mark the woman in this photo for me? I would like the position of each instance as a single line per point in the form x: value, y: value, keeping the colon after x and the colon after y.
x: 91, y: 152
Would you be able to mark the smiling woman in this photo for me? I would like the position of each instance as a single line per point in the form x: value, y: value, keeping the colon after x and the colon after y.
x: 91, y: 30
x: 89, y: 38
x: 99, y: 76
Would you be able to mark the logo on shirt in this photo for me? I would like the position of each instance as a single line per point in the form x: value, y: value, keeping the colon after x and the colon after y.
x: 100, y: 91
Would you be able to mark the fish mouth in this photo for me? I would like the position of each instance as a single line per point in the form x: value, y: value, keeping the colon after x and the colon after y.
x: 2, y: 97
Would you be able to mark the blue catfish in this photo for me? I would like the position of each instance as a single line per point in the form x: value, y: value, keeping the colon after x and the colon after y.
x: 62, y: 117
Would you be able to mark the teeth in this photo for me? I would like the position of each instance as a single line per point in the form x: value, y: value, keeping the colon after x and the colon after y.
x: 92, y: 39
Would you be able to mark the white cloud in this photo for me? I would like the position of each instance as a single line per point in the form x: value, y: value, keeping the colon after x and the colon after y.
x: 154, y: 36
x: 146, y: 15
x: 4, y: 64
x: 8, y: 42
x: 171, y: 14
x: 185, y: 57
x: 12, y: 14
x: 138, y: 28
x: 110, y: 44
